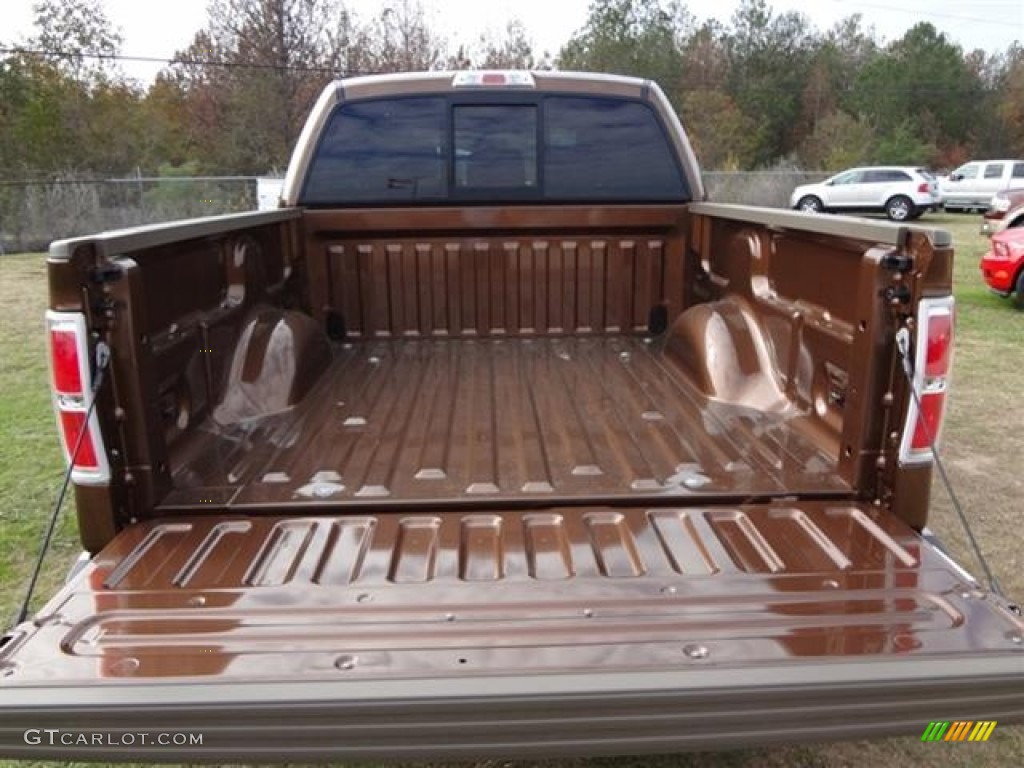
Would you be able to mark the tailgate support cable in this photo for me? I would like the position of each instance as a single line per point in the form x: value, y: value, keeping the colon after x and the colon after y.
x: 903, y: 345
x: 102, y: 361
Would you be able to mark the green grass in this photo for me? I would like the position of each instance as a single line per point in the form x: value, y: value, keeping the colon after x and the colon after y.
x: 983, y: 445
x: 30, y: 460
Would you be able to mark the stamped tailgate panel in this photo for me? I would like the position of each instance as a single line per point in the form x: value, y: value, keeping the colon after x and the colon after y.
x: 388, y: 596
x: 559, y: 632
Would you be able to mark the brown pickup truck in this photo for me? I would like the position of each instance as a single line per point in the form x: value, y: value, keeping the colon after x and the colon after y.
x: 497, y: 440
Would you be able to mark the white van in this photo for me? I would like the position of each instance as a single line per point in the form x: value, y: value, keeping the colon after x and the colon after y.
x: 973, y: 184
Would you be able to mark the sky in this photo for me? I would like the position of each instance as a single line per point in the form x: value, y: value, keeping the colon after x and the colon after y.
x: 158, y: 28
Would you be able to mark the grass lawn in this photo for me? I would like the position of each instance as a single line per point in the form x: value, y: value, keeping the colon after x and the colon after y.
x: 983, y: 446
x: 30, y: 462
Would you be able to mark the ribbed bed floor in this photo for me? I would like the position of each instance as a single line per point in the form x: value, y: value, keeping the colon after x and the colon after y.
x: 471, y: 421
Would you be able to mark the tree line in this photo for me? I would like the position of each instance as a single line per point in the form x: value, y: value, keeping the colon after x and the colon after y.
x: 765, y: 89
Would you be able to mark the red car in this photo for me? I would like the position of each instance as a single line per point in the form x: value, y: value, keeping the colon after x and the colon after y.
x: 1003, y: 266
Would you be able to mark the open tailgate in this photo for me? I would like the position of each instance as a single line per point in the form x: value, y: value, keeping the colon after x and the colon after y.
x: 555, y: 632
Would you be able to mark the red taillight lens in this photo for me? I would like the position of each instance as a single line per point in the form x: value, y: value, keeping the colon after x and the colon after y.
x: 933, y: 361
x: 923, y: 188
x: 67, y: 371
x: 939, y: 344
x: 933, y: 404
x: 72, y: 397
x: 71, y: 423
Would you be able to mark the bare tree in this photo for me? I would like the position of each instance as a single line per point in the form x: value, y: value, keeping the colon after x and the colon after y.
x: 511, y: 49
x: 400, y: 39
x: 255, y: 71
x: 76, y: 37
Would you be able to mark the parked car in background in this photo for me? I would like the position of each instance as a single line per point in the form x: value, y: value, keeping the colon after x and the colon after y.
x: 971, y: 186
x: 1005, y: 211
x: 900, y: 192
x: 1003, y: 266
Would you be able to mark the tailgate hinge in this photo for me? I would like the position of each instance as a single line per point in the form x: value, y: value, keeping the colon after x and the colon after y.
x: 897, y: 261
x: 106, y: 272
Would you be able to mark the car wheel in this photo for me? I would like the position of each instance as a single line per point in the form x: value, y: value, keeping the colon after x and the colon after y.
x: 1018, y: 299
x: 810, y: 204
x: 899, y: 208
x: 917, y: 213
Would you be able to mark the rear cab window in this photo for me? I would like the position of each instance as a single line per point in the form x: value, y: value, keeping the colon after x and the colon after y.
x: 380, y: 151
x: 494, y: 148
x: 606, y: 149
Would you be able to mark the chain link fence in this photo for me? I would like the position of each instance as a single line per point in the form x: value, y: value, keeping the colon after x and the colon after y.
x: 770, y: 189
x: 34, y: 213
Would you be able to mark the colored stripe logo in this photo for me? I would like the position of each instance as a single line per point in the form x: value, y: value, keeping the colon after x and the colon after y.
x: 959, y: 730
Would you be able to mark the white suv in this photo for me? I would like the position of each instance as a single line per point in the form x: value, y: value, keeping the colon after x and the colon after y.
x: 900, y: 192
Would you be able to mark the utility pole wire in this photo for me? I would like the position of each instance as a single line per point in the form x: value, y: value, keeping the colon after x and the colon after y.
x: 921, y: 86
x: 180, y: 60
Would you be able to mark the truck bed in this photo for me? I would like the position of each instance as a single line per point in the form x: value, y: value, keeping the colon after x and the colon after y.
x: 491, y: 421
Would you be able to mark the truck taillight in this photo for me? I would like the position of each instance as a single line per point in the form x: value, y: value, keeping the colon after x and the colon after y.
x: 71, y: 423
x: 67, y: 375
x: 72, y: 395
x: 923, y: 188
x: 933, y: 359
x: 938, y: 345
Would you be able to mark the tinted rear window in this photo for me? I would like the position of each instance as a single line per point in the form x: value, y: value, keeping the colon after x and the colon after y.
x: 496, y: 147
x: 375, y: 151
x: 606, y: 149
x: 436, y: 148
x: 1018, y: 170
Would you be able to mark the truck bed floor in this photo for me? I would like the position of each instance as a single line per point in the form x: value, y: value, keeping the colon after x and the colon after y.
x: 540, y: 420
